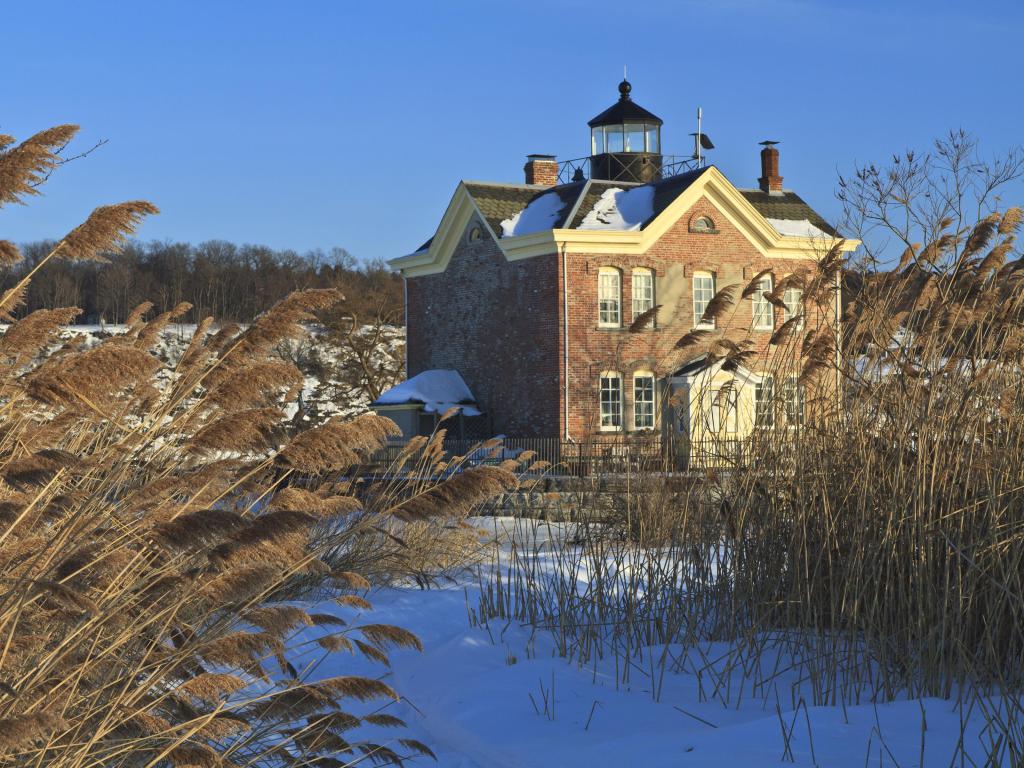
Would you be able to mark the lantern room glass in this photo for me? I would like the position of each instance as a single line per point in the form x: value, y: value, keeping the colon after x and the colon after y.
x: 634, y: 137
x: 630, y: 137
x: 613, y: 138
x: 653, y: 138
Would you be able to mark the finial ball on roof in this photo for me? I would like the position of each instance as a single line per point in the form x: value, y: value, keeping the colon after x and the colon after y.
x: 624, y: 89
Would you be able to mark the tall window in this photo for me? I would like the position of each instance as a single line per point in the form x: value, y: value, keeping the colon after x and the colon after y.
x: 794, y: 397
x: 609, y: 298
x: 764, y: 407
x: 764, y: 317
x: 643, y: 400
x: 794, y: 300
x: 703, y: 292
x: 611, y: 400
x: 643, y: 291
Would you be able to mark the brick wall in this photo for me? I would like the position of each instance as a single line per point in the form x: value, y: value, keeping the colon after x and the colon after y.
x: 727, y: 253
x: 499, y: 323
x: 496, y: 323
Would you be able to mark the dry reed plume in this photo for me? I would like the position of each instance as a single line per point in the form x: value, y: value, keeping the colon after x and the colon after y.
x: 151, y: 536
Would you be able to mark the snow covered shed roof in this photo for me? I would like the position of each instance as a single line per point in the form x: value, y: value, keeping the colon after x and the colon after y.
x: 435, y: 390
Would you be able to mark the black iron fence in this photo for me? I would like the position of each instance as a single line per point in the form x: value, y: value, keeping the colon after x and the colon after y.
x: 588, y: 458
x: 625, y: 167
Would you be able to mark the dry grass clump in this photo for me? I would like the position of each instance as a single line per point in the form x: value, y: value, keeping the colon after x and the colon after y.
x: 151, y: 537
x: 877, y: 540
x: 418, y: 510
x: 144, y: 574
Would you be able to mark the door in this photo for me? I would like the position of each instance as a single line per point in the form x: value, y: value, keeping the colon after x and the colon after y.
x: 676, y: 421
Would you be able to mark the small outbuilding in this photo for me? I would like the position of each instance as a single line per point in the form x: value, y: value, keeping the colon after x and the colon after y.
x: 418, y: 404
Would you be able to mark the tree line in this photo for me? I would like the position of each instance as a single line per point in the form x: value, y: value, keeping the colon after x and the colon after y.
x: 226, y: 281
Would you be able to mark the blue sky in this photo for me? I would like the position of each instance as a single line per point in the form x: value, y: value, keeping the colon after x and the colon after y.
x: 319, y: 124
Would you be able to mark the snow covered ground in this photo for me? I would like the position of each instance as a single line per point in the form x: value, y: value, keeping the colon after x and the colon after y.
x: 502, y: 697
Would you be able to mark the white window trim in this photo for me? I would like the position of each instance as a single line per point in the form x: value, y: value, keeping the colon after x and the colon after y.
x: 759, y: 301
x: 642, y: 374
x: 693, y: 286
x: 648, y: 273
x: 600, y: 413
x: 611, y: 271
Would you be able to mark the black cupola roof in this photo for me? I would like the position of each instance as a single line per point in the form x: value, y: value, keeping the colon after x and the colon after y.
x: 625, y: 110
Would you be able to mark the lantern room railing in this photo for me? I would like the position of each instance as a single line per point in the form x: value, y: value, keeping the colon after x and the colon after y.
x: 627, y: 167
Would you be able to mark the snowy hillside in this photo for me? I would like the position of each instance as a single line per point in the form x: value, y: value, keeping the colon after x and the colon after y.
x: 339, y: 377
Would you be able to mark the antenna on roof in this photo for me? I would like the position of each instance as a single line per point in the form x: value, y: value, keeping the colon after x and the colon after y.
x: 700, y: 140
x: 624, y: 76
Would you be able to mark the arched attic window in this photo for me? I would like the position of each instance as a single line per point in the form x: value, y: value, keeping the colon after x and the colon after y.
x: 703, y: 225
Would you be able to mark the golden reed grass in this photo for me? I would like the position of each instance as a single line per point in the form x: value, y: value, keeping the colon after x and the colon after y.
x: 154, y: 522
x: 871, y: 529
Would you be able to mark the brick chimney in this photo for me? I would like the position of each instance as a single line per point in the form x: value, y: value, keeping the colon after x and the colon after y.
x: 770, y: 180
x: 541, y: 169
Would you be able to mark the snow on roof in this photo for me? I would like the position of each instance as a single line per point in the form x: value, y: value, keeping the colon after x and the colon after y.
x: 437, y: 390
x: 621, y: 209
x: 797, y: 228
x: 541, y: 214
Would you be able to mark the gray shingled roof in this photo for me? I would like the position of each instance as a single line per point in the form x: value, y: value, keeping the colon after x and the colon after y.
x: 498, y: 202
x: 787, y: 205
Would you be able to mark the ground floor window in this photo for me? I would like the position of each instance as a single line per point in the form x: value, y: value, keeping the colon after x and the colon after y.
x: 611, y: 400
x: 794, y: 398
x: 764, y: 407
x: 643, y: 400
